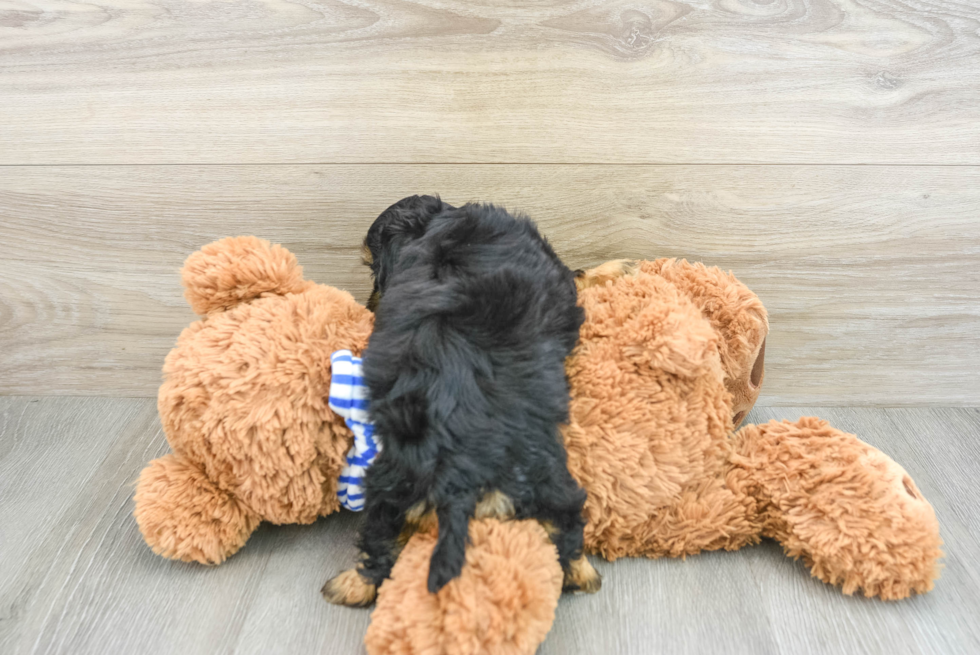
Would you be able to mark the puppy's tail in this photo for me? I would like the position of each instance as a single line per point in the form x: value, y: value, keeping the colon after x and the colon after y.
x: 449, y: 554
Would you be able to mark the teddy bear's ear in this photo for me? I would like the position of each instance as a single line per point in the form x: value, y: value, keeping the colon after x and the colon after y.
x: 237, y: 269
x: 675, y: 339
x: 652, y: 323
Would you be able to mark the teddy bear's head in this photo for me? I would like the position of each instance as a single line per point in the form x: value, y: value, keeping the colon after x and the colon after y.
x: 739, y: 317
x: 730, y: 307
x: 244, y: 403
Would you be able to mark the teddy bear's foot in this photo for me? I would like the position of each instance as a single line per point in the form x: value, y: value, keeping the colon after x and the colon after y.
x: 852, y: 514
x: 184, y: 516
x: 502, y: 603
x: 581, y: 577
x: 350, y: 589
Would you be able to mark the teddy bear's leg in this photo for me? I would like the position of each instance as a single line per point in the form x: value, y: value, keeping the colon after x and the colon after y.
x: 184, y: 516
x: 503, y: 602
x: 703, y: 518
x: 849, y: 511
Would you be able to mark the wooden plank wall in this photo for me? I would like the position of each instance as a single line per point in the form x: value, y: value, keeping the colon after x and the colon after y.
x: 827, y: 151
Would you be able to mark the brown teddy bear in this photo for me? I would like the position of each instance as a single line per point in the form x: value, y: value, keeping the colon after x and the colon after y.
x: 671, y: 357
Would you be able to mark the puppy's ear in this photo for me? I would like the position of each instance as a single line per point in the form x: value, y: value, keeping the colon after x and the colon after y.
x: 403, y: 222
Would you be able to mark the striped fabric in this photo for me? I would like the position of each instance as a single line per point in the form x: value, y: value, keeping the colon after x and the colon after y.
x: 349, y: 398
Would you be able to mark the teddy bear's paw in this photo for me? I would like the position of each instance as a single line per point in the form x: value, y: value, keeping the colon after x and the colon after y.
x: 183, y: 515
x: 582, y: 577
x: 842, y: 506
x: 502, y: 603
x: 350, y: 589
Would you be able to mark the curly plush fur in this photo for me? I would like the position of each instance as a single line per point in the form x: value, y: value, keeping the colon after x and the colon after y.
x: 662, y: 480
x: 503, y: 602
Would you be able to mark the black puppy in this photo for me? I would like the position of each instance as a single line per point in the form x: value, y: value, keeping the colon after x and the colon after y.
x: 475, y: 315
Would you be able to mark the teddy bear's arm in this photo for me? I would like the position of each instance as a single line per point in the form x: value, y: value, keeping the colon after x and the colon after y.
x: 183, y: 515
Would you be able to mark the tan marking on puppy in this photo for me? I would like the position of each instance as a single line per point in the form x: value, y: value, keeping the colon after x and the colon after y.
x: 350, y: 589
x: 366, y: 256
x: 420, y: 518
x: 580, y: 576
x: 549, y: 528
x: 605, y: 272
x: 418, y: 512
x: 495, y: 505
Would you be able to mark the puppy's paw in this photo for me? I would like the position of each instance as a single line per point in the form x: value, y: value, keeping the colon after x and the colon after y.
x: 350, y: 589
x: 582, y: 577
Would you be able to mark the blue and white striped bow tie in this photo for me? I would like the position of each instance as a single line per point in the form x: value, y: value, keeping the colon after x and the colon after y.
x: 349, y: 398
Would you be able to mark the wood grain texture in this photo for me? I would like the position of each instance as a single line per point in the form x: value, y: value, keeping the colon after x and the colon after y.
x: 566, y: 81
x: 871, y: 274
x: 75, y: 576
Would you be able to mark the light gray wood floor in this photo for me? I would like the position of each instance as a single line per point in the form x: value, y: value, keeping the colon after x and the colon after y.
x: 75, y: 576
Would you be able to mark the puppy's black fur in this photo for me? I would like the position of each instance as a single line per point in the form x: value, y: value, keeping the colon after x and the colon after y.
x: 400, y: 224
x: 475, y: 317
